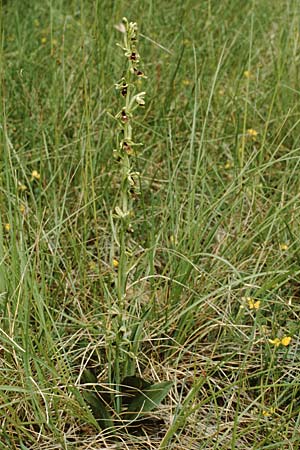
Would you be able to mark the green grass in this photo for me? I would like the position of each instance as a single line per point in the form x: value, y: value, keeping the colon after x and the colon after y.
x: 217, y: 221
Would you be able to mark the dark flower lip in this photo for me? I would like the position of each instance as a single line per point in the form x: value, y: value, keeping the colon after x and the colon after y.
x: 127, y: 148
x: 124, y: 116
x: 139, y: 73
x: 133, y: 56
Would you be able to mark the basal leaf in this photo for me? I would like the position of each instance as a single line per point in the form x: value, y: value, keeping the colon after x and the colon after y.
x: 88, y: 376
x: 134, y: 382
x: 148, y: 399
x: 99, y: 410
x: 132, y: 386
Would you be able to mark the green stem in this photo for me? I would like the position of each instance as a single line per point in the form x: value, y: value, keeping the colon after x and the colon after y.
x: 121, y: 362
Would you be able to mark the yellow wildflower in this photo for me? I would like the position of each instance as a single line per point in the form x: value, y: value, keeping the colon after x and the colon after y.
x: 43, y: 40
x: 22, y: 187
x: 286, y: 340
x: 228, y: 165
x: 252, y: 133
x: 35, y: 175
x: 7, y: 227
x: 173, y: 239
x: 247, y: 74
x: 115, y: 263
x: 268, y: 413
x: 186, y: 82
x: 275, y: 342
x: 252, y: 303
x: 283, y: 247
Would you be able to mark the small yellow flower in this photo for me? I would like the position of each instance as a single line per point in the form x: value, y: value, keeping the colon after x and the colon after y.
x: 286, y: 340
x: 43, y: 40
x: 283, y: 247
x: 173, y: 239
x: 22, y: 187
x: 268, y: 413
x: 252, y: 133
x: 275, y: 342
x: 221, y: 92
x: 247, y: 74
x: 186, y: 82
x: 7, y: 227
x: 228, y: 165
x: 115, y: 263
x: 252, y: 303
x: 35, y: 175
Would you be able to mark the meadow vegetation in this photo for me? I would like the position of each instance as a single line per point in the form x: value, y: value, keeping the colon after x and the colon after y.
x: 198, y: 290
